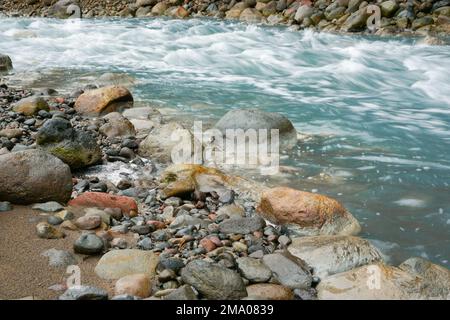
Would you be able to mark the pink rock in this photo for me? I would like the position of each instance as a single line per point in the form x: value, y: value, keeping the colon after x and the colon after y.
x: 105, y: 200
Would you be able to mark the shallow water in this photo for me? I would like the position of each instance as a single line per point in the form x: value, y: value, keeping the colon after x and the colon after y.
x: 377, y: 110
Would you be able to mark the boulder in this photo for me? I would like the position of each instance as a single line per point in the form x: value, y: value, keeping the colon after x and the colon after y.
x: 269, y: 291
x: 5, y: 63
x: 377, y: 282
x: 75, y: 147
x: 117, y: 126
x: 30, y: 106
x: 328, y: 255
x: 101, y: 101
x: 214, y: 281
x: 288, y: 270
x: 34, y: 176
x: 306, y: 213
x: 164, y: 141
x: 246, y: 119
x: 119, y: 263
x: 104, y: 200
x: 251, y: 15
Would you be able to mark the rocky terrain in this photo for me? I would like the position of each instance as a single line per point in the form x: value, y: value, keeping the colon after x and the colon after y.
x: 405, y: 17
x: 92, y: 176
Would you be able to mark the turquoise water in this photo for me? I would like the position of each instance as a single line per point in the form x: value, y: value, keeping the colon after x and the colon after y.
x: 376, y: 111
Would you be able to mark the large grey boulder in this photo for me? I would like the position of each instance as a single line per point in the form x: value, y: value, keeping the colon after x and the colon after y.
x: 34, y: 176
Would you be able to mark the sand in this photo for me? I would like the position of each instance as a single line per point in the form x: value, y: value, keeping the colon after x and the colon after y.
x: 24, y: 273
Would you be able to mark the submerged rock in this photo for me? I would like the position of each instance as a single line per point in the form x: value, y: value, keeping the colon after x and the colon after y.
x: 104, y: 100
x: 328, y: 255
x: 214, y: 281
x: 306, y: 213
x: 5, y: 63
x: 34, y: 176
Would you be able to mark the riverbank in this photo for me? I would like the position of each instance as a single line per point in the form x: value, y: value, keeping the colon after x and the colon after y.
x: 391, y: 17
x: 99, y: 173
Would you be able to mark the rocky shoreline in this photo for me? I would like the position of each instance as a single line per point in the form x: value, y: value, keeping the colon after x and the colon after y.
x: 391, y: 17
x: 98, y: 171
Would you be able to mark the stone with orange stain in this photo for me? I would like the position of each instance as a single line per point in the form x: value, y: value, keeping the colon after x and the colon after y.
x: 207, y: 244
x: 311, y: 213
x: 105, y: 200
x: 104, y: 100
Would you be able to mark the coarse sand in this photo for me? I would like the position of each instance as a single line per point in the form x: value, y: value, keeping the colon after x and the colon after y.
x: 24, y: 272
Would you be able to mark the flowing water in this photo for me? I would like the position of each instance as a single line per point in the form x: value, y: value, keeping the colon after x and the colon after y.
x: 376, y: 111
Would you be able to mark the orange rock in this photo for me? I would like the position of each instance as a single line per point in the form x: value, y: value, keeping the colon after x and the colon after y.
x: 104, y: 100
x: 105, y: 200
x: 285, y: 205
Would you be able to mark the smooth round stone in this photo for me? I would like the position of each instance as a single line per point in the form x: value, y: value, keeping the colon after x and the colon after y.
x: 166, y: 275
x: 88, y: 222
x: 88, y: 244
